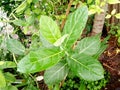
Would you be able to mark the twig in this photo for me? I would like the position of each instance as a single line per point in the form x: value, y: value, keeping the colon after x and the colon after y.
x: 14, y: 58
x: 118, y: 71
x: 109, y: 67
x: 67, y: 12
x: 34, y: 80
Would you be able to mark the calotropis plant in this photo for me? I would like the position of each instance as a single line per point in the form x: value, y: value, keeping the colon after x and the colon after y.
x: 56, y: 55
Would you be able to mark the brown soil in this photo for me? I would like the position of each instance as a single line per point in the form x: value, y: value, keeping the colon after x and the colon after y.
x: 111, y: 62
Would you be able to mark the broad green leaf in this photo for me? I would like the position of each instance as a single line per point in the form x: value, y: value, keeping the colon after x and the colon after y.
x: 49, y: 29
x: 100, y: 51
x: 30, y: 87
x: 60, y: 40
x: 89, y: 1
x: 89, y: 45
x: 2, y: 80
x: 113, y: 1
x: 2, y: 62
x: 20, y: 22
x: 117, y: 15
x: 30, y: 20
x: 102, y: 48
x: 113, y: 11
x: 39, y: 60
x: 108, y: 16
x: 56, y: 73
x: 9, y: 88
x: 29, y: 1
x: 74, y: 25
x: 15, y: 46
x: 7, y: 64
x: 45, y: 42
x: 92, y: 9
x: 21, y: 7
x: 10, y: 78
x: 86, y: 67
x: 97, y: 2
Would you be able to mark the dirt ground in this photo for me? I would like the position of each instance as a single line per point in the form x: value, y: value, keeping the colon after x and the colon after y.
x: 111, y: 63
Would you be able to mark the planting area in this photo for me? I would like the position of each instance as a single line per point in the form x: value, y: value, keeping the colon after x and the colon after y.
x: 110, y: 59
x: 60, y: 45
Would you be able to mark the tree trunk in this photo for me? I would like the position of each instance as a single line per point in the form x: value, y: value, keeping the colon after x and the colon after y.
x: 99, y: 22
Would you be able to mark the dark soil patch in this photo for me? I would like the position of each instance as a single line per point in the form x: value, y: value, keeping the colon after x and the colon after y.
x: 111, y: 62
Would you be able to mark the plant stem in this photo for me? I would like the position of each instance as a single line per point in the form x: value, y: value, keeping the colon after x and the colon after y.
x: 14, y: 58
x: 34, y: 80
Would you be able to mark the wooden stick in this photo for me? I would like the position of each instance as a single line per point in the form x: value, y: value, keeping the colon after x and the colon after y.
x: 67, y: 12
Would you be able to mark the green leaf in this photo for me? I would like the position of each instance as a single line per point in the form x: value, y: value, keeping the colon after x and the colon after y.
x: 118, y: 40
x: 2, y: 80
x: 74, y: 25
x: 21, y: 7
x: 10, y: 78
x: 89, y: 45
x: 97, y: 2
x: 86, y: 67
x: 30, y: 20
x: 89, y: 1
x: 49, y: 29
x: 29, y: 1
x: 30, y: 87
x: 102, y: 48
x: 60, y: 40
x: 20, y: 22
x: 9, y: 88
x: 82, y: 85
x: 113, y: 1
x: 7, y: 64
x: 113, y: 11
x: 56, y: 73
x: 15, y: 46
x: 117, y: 15
x: 45, y: 42
x: 108, y: 16
x: 100, y: 51
x: 39, y: 60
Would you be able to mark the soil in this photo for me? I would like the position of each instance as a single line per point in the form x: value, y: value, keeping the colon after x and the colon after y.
x: 110, y: 60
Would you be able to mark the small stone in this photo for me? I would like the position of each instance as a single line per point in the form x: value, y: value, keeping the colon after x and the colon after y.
x: 39, y: 78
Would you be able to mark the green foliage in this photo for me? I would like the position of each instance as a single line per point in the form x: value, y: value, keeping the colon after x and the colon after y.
x: 58, y: 60
x: 49, y: 29
x: 7, y: 78
x: 113, y: 1
x: 15, y: 46
x: 113, y: 13
x: 2, y: 80
x: 72, y: 83
x: 86, y: 45
x: 86, y: 67
x: 7, y: 64
x: 50, y: 50
x: 9, y: 88
x: 39, y: 60
x: 74, y: 26
x: 115, y: 31
x: 56, y: 73
x: 21, y: 7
